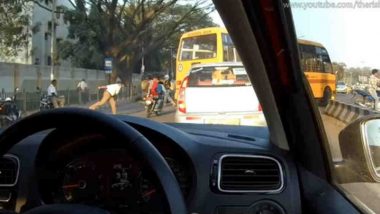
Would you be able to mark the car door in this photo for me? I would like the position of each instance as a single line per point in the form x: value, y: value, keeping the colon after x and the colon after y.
x: 264, y: 34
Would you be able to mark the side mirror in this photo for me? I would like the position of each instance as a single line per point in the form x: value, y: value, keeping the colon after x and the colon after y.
x: 360, y: 147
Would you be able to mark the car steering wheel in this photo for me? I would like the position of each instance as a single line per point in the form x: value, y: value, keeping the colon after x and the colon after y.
x: 77, y: 118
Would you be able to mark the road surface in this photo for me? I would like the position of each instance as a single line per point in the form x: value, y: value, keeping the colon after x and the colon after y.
x: 347, y: 98
x: 166, y: 116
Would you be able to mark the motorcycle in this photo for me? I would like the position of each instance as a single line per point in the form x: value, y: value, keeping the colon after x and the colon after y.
x: 154, y: 105
x: 46, y: 103
x: 9, y: 112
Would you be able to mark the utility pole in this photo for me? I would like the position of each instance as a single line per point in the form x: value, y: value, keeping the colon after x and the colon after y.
x: 171, y: 63
x: 53, y: 39
x: 27, y: 47
x: 142, y: 70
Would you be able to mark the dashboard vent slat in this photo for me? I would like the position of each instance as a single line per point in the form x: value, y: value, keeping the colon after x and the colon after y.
x: 9, y: 169
x: 249, y: 173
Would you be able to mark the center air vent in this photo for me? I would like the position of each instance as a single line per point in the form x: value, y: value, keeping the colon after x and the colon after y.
x: 9, y: 168
x: 249, y: 173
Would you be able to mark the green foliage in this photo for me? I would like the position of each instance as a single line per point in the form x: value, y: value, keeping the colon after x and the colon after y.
x: 14, y: 18
x: 127, y: 30
x: 339, y: 69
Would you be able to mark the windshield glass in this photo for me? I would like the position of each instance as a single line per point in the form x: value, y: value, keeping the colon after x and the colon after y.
x: 171, y: 64
x: 199, y: 47
x: 338, y: 51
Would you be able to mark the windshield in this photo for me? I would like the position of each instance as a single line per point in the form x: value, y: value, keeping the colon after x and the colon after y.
x: 199, y: 47
x: 168, y: 64
x: 339, y: 36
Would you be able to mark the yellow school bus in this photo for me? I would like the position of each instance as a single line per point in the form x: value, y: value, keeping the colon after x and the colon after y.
x: 316, y: 64
x: 207, y: 45
x: 213, y: 45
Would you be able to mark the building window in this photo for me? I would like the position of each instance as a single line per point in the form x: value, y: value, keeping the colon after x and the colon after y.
x: 49, y: 60
x: 46, y: 36
x: 49, y: 26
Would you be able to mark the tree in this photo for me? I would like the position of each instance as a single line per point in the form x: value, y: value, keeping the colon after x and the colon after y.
x: 13, y: 35
x: 126, y: 30
x: 339, y: 68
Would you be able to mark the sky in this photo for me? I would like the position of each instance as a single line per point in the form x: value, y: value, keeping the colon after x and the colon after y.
x: 350, y: 35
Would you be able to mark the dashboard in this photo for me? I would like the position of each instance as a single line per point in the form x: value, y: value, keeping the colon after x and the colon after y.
x: 86, y: 167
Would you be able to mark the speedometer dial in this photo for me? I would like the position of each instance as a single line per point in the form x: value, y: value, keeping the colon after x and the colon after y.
x: 81, y: 182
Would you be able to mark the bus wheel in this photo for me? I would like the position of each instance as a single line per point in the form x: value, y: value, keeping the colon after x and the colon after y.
x: 326, y: 97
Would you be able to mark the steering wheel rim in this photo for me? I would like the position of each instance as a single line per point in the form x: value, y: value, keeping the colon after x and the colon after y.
x: 66, y: 117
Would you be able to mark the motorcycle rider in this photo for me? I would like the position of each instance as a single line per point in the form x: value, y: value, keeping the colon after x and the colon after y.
x: 167, y: 84
x: 155, y: 96
x: 374, y: 83
x: 161, y: 92
x: 58, y: 101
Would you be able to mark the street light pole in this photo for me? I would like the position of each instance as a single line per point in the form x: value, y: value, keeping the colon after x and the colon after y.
x: 53, y: 38
x: 171, y: 63
x: 142, y: 60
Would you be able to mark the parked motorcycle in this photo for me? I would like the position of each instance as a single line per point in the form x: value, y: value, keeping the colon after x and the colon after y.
x: 9, y: 112
x: 153, y: 105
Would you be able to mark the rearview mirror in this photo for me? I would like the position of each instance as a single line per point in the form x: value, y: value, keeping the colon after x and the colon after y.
x: 360, y: 147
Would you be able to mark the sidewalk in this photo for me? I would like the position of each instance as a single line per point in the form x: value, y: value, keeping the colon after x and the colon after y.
x: 123, y: 107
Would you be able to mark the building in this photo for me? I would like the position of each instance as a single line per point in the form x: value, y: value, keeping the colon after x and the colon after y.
x: 38, y: 49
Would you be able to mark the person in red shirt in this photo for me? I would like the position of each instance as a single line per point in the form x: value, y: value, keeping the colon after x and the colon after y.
x: 152, y: 91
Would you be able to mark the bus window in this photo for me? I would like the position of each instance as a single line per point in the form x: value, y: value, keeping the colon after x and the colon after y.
x: 210, y: 76
x: 198, y: 47
x: 324, y: 57
x: 229, y: 51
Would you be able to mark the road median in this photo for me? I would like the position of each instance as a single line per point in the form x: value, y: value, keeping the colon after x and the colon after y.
x: 345, y: 112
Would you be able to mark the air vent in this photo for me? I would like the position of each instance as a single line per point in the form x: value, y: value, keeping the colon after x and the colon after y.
x: 249, y: 173
x: 9, y: 169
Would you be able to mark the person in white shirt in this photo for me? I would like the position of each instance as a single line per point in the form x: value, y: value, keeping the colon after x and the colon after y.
x: 58, y: 101
x: 83, y: 91
x: 109, y: 95
x: 82, y: 85
x: 374, y: 83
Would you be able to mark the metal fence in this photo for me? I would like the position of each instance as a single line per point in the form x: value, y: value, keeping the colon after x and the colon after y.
x: 29, y: 101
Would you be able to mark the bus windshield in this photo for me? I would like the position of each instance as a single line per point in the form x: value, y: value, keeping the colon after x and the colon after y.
x: 198, y: 47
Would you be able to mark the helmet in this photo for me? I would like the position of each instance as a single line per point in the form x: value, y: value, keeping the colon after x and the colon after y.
x: 8, y: 99
x: 166, y: 77
x: 148, y: 102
